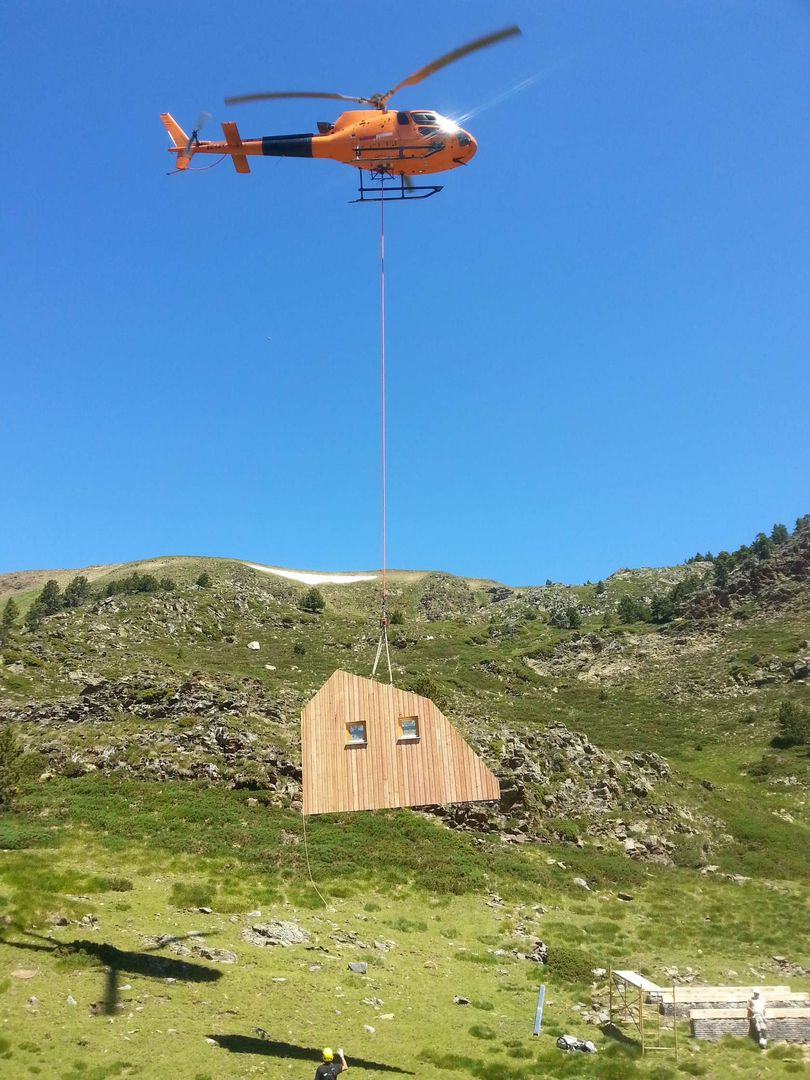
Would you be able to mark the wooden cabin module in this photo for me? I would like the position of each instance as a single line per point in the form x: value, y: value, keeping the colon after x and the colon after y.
x: 367, y: 745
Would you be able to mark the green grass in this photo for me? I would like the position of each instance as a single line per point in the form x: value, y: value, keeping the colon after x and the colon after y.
x: 674, y: 919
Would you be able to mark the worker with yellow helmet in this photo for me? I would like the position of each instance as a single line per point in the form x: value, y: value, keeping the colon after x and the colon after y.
x: 330, y: 1068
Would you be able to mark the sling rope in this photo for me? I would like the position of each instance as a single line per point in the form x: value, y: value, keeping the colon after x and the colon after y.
x: 383, y: 639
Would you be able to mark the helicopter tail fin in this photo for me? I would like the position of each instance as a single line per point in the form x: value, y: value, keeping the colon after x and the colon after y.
x: 179, y: 138
x: 234, y: 141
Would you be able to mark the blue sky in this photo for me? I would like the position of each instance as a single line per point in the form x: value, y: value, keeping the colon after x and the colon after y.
x: 597, y: 333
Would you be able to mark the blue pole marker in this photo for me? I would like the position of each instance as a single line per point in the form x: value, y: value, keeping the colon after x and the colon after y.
x: 538, y: 1016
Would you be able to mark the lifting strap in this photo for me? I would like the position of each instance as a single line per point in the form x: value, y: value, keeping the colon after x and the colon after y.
x: 382, y: 643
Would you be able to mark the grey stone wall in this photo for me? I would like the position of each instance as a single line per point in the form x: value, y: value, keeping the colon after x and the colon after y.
x: 787, y: 1029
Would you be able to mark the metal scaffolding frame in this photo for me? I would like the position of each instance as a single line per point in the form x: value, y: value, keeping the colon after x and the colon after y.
x: 637, y: 1000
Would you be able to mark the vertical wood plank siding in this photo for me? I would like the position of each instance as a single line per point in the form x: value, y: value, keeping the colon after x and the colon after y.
x: 438, y: 768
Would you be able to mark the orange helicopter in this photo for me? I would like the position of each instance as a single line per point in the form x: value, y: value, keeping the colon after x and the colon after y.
x: 390, y: 145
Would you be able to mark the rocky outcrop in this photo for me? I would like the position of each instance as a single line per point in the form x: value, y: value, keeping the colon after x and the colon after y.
x: 446, y: 597
x: 154, y: 699
x: 769, y: 581
x: 556, y: 784
x: 618, y: 657
x: 193, y: 731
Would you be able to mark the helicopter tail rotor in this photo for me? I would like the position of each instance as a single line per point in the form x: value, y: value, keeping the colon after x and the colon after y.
x: 184, y: 145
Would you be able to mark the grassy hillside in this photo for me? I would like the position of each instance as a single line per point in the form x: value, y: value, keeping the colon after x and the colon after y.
x: 160, y: 775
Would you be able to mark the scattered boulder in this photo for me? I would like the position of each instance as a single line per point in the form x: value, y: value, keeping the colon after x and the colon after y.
x: 216, y: 956
x: 276, y: 932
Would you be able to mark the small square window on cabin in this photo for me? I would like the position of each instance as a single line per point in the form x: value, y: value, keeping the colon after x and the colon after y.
x: 356, y: 733
x: 408, y: 729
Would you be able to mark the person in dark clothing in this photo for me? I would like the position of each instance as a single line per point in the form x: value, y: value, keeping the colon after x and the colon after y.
x: 330, y: 1068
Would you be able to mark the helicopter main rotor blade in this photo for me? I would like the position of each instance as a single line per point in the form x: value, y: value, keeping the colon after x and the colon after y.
x: 451, y: 57
x: 240, y: 99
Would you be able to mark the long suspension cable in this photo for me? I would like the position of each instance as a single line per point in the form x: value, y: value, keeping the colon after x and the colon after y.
x: 382, y: 394
x: 383, y: 639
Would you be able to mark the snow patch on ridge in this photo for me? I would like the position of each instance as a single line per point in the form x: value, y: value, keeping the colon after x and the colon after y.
x: 310, y: 578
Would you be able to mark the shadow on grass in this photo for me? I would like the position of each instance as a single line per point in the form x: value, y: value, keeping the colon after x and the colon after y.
x: 247, y: 1044
x: 134, y: 963
x: 113, y: 961
x: 610, y: 1031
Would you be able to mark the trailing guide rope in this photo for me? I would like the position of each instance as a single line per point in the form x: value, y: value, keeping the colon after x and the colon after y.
x: 306, y: 855
x: 197, y: 168
x: 382, y: 643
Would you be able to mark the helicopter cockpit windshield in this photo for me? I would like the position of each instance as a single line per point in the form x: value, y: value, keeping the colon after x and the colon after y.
x: 428, y: 123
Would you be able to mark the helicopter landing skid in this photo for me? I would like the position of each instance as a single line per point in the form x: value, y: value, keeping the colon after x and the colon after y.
x: 391, y: 188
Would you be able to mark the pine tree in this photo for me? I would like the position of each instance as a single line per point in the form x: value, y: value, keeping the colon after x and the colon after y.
x: 312, y: 601
x: 33, y: 617
x: 76, y: 592
x: 794, y: 724
x: 50, y: 599
x: 761, y: 546
x: 9, y: 764
x: 627, y: 609
x: 779, y: 534
x: 722, y: 565
x: 662, y: 608
x: 631, y: 610
x: 11, y: 614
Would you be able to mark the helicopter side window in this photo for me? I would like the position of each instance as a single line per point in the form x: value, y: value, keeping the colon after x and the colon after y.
x: 427, y: 131
x: 403, y: 118
x: 424, y: 117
